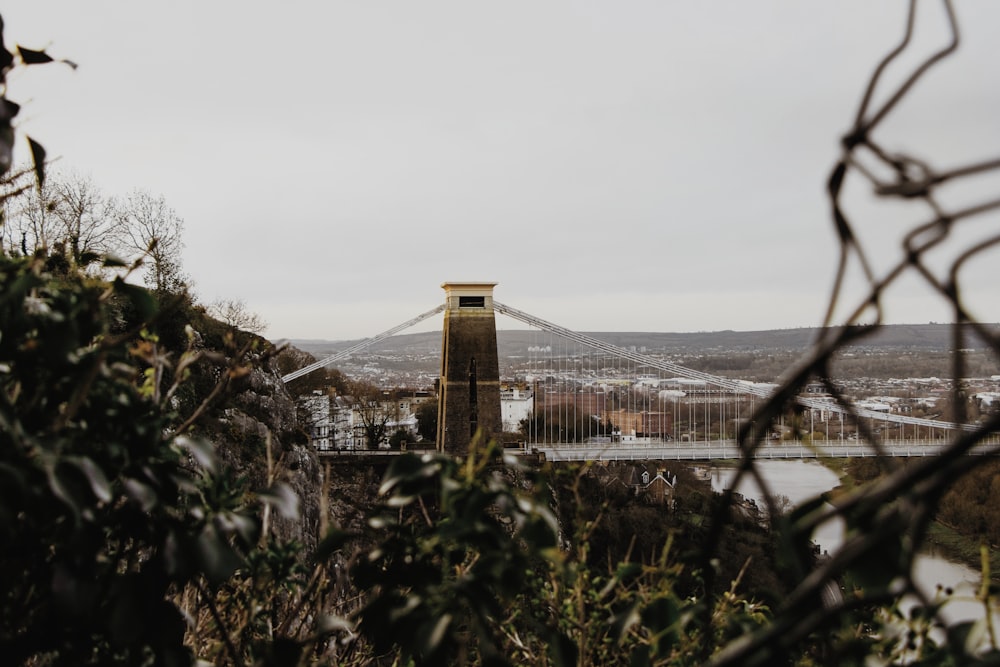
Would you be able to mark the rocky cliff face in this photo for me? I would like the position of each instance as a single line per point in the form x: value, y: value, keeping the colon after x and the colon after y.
x: 352, y: 489
x: 262, y: 416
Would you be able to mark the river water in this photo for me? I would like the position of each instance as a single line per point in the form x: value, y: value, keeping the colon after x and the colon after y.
x: 802, y: 480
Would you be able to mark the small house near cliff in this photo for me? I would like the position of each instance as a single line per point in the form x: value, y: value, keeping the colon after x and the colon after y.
x: 653, y: 485
x: 660, y: 489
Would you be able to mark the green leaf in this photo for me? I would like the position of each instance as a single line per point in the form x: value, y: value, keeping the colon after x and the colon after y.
x: 328, y: 623
x: 6, y: 57
x: 283, y: 499
x: 539, y: 533
x: 141, y: 492
x: 179, y: 555
x: 960, y: 633
x: 65, y: 485
x: 879, y: 564
x: 139, y: 297
x: 639, y: 657
x: 11, y: 479
x: 201, y: 449
x: 167, y: 634
x: 246, y: 527
x: 98, y: 481
x: 661, y: 616
x: 803, y: 510
x: 32, y: 57
x: 74, y: 595
x: 334, y: 539
x: 7, y: 112
x: 563, y: 651
x: 622, y: 621
x: 410, y: 470
x: 88, y: 258
x: 112, y: 262
x: 432, y: 640
x: 38, y: 159
x: 216, y: 556
x: 126, y: 618
x: 626, y: 572
x: 284, y: 652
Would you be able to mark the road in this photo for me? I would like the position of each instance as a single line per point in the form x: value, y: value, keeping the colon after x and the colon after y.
x: 705, y: 451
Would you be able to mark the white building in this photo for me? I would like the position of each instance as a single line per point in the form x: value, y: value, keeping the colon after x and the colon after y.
x: 516, y: 404
x: 336, y: 422
x: 344, y: 419
x: 316, y: 414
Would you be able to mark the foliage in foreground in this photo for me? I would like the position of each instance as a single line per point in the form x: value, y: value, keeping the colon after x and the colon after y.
x: 471, y: 568
x: 125, y: 541
x: 107, y: 509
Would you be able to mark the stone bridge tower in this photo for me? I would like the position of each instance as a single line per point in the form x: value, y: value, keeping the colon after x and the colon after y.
x: 470, y: 374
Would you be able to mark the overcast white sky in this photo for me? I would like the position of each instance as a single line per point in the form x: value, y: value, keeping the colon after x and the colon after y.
x: 634, y: 165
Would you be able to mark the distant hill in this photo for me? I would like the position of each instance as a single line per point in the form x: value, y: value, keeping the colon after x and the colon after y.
x: 511, y: 343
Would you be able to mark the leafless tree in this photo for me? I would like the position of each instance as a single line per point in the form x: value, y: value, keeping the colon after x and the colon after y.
x: 31, y: 222
x: 152, y: 228
x: 69, y: 214
x: 87, y: 218
x: 234, y: 312
x: 369, y: 405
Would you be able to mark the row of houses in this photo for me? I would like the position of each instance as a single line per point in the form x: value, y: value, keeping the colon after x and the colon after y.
x: 345, y: 422
x: 342, y: 422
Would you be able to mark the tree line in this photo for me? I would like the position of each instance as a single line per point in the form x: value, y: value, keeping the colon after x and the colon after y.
x: 73, y: 222
x: 70, y: 217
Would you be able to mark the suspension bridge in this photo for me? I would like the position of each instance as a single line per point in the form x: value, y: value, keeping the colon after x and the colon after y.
x: 571, y: 396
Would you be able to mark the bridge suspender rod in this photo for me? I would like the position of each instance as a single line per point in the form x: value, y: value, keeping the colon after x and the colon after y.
x: 722, y: 382
x: 882, y: 416
x: 343, y: 354
x: 531, y: 320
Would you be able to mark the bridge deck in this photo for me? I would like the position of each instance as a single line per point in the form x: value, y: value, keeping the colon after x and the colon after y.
x: 704, y: 451
x: 729, y: 450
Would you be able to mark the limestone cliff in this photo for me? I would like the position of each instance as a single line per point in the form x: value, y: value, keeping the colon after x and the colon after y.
x: 261, y: 415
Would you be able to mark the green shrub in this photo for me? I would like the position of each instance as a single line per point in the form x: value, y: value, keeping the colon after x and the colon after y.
x: 105, y: 510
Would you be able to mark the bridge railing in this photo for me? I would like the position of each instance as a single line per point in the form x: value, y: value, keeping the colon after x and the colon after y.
x: 729, y: 450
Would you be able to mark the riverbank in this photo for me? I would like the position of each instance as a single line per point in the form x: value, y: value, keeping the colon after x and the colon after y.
x: 942, y: 539
x: 947, y: 542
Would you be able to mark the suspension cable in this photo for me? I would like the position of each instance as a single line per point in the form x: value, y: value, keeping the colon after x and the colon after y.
x: 725, y: 383
x: 368, y: 342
